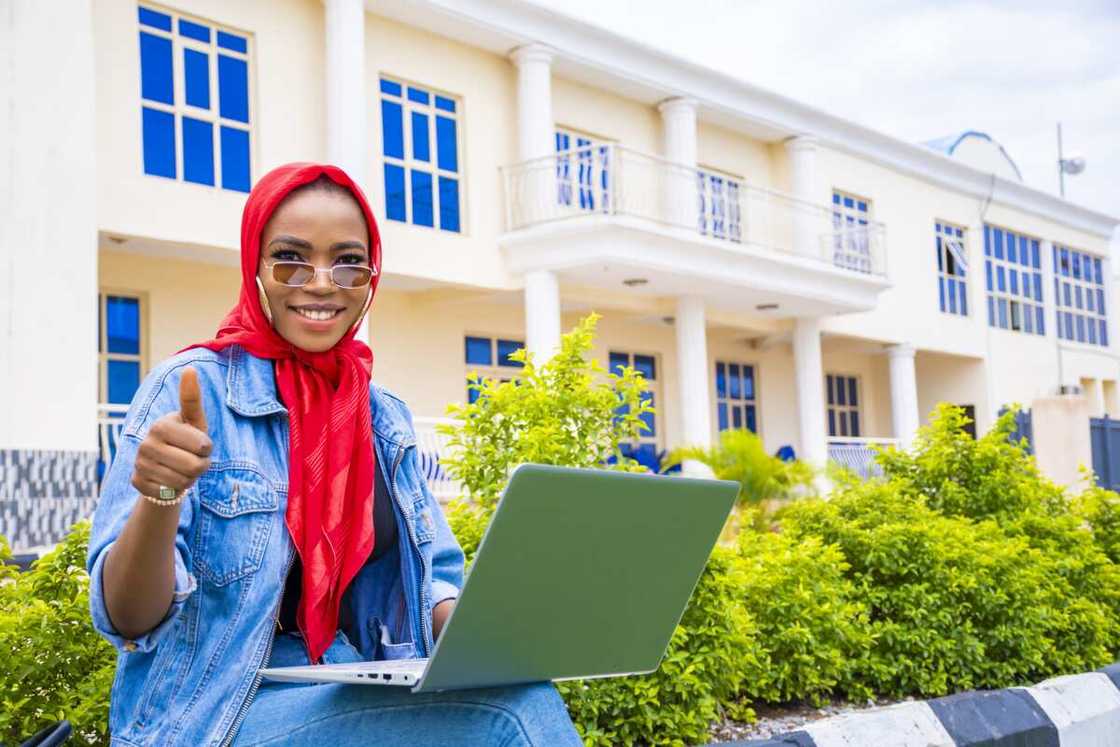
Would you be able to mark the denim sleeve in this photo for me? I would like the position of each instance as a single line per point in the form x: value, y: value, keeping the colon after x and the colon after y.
x: 447, y: 556
x: 157, y: 396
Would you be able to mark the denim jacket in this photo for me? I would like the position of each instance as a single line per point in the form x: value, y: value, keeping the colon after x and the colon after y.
x: 191, y: 679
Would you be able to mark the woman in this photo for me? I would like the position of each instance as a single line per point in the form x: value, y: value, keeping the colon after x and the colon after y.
x: 265, y: 507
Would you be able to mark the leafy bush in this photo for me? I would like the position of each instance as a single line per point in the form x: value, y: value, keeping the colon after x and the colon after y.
x: 1100, y: 509
x: 740, y: 456
x: 568, y: 411
x: 55, y: 665
x: 994, y: 478
x: 812, y: 628
x: 699, y: 677
x: 954, y: 604
x: 989, y: 477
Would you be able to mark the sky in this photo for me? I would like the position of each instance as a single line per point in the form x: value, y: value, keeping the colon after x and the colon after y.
x: 917, y: 70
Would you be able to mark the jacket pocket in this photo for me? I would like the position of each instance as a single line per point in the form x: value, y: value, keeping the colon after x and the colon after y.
x: 422, y: 520
x: 238, y: 507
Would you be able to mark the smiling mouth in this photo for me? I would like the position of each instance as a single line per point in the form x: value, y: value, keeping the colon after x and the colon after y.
x: 317, y: 315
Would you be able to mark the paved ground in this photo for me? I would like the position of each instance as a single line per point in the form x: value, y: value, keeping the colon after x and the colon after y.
x: 775, y: 720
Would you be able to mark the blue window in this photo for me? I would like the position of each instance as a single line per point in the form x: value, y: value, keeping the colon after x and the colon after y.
x: 489, y: 358
x: 952, y: 268
x: 195, y: 126
x: 119, y: 346
x: 1013, y: 278
x: 1080, y: 293
x: 646, y: 365
x: 852, y: 232
x: 719, y: 208
x: 420, y: 145
x: 583, y: 172
x: 843, y: 405
x: 736, y: 396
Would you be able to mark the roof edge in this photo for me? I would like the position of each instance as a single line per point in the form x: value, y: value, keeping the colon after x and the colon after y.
x: 625, y: 59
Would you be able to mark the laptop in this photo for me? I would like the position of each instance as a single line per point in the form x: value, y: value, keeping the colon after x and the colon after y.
x: 582, y: 573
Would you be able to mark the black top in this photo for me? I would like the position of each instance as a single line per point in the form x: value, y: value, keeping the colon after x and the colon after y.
x: 385, y: 537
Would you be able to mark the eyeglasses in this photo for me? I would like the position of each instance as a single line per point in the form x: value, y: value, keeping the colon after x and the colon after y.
x: 299, y: 274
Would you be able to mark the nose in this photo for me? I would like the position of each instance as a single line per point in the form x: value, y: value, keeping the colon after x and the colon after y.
x: 321, y: 284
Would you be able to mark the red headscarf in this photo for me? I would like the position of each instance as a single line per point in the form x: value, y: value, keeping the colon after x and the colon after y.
x: 330, y: 449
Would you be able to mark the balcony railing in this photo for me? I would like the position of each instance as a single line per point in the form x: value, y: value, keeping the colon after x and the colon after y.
x: 613, y: 180
x: 430, y: 444
x: 431, y: 447
x: 858, y: 454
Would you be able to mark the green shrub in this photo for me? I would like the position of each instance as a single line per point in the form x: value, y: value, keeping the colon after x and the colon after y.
x: 740, y: 456
x: 696, y: 684
x: 1100, y: 509
x: 954, y: 604
x: 994, y: 478
x: 987, y: 477
x: 811, y: 626
x: 565, y: 412
x: 568, y: 411
x: 55, y: 665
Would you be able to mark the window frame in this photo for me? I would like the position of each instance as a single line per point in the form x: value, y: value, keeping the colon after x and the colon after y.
x: 740, y: 402
x: 409, y: 163
x: 103, y: 354
x: 1094, y: 321
x: 733, y: 216
x: 600, y: 187
x: 495, y: 370
x: 957, y: 278
x: 657, y: 438
x: 180, y: 108
x: 833, y: 410
x: 993, y: 295
x: 851, y: 215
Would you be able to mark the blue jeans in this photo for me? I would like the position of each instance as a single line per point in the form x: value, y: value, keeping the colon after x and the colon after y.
x: 289, y: 713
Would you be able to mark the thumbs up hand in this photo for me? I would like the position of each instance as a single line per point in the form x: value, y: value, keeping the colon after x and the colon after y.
x: 177, y: 448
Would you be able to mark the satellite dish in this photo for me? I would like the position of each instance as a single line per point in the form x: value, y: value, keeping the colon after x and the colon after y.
x: 1073, y: 164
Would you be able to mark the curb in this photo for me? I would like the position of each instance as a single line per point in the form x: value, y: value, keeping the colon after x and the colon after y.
x: 1078, y: 709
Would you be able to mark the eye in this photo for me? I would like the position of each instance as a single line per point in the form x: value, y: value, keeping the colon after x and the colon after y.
x: 351, y: 259
x: 287, y: 255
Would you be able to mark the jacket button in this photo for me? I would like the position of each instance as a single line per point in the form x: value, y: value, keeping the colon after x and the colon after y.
x: 130, y: 646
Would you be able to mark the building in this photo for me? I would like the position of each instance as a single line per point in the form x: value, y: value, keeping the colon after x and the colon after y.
x: 768, y: 265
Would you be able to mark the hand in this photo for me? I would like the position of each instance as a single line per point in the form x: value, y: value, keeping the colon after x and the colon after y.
x: 177, y: 449
x: 440, y: 613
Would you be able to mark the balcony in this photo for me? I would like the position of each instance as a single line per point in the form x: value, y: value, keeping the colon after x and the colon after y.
x: 604, y: 213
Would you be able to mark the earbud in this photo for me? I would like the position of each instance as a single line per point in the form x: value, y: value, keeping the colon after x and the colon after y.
x: 264, y: 301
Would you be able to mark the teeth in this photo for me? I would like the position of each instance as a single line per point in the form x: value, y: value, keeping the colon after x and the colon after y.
x: 318, y: 315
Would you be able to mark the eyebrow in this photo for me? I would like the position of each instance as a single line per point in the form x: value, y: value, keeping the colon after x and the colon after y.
x: 302, y: 244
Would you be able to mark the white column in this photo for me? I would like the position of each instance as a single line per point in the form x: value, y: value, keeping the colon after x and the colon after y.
x: 802, y: 153
x: 905, y: 417
x: 692, y: 371
x: 678, y: 125
x: 536, y: 139
x: 48, y: 245
x: 809, y: 376
x: 535, y: 134
x: 542, y: 314
x: 345, y: 84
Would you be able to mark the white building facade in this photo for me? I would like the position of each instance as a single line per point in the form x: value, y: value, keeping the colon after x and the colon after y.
x: 765, y: 264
